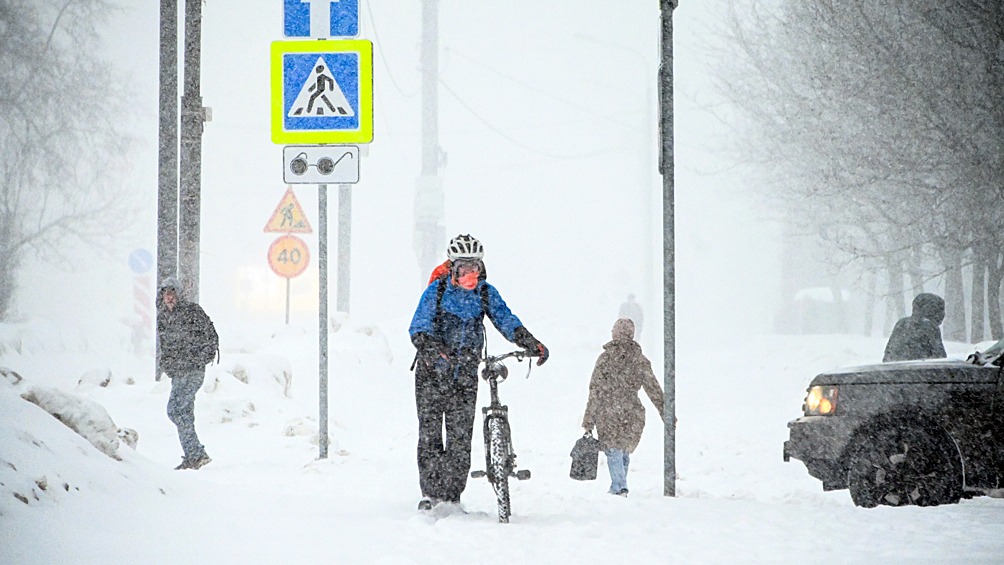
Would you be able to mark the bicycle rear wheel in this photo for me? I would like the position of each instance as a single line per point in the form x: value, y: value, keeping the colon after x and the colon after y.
x: 499, y: 468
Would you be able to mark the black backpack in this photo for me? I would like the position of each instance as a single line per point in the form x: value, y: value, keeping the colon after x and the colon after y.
x: 212, y: 343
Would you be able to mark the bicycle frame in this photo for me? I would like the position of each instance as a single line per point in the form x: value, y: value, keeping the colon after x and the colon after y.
x: 500, y: 459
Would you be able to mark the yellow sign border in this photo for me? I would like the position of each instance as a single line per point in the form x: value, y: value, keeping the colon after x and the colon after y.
x: 364, y: 48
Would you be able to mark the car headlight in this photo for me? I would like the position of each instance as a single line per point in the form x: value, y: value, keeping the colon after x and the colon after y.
x: 821, y: 401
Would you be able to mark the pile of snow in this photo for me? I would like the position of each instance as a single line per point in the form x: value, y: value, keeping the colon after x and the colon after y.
x: 44, y: 460
x: 87, y: 418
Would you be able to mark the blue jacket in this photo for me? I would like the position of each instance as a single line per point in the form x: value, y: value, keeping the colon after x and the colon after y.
x: 459, y: 320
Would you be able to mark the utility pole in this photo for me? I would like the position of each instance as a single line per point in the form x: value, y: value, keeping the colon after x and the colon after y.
x: 167, y: 160
x: 193, y: 116
x: 667, y: 168
x: 430, y: 234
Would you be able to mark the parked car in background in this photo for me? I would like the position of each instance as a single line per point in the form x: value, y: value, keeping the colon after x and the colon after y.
x: 906, y: 433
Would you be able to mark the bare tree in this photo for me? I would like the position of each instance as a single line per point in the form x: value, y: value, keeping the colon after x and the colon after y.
x: 61, y: 138
x: 881, y: 125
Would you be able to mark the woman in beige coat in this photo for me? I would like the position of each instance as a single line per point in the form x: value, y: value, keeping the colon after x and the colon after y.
x: 614, y: 407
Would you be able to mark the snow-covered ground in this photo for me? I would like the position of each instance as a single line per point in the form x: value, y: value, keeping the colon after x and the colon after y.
x: 543, y: 113
x: 266, y: 498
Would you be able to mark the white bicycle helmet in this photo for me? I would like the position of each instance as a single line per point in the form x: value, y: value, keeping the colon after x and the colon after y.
x: 464, y: 247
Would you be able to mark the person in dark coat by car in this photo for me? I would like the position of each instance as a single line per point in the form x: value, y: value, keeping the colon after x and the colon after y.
x: 918, y: 336
x: 614, y: 407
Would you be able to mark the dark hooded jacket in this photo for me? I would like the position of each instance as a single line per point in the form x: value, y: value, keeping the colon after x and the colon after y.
x: 186, y: 338
x: 614, y: 407
x: 919, y: 335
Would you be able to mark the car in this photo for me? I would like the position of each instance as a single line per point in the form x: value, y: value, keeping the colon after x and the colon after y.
x: 919, y: 433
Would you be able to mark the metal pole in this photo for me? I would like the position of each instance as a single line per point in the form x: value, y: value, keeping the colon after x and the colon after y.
x: 429, y: 231
x: 322, y: 318
x: 287, y: 301
x: 344, y: 246
x: 167, y: 162
x: 192, y: 120
x: 667, y: 168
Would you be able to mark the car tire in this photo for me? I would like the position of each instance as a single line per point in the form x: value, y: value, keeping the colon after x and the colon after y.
x: 903, y: 464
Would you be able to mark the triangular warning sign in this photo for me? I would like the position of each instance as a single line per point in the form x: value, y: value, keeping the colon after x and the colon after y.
x: 288, y: 216
x: 320, y: 96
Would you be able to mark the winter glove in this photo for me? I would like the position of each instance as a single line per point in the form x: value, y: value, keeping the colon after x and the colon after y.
x: 523, y: 338
x: 430, y: 346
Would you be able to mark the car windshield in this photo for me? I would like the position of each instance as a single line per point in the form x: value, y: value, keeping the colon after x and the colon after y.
x: 996, y: 349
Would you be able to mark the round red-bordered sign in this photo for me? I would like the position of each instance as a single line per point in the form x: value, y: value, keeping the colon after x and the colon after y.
x: 288, y: 256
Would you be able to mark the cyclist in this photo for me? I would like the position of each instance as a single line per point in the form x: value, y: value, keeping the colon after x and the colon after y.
x: 448, y: 333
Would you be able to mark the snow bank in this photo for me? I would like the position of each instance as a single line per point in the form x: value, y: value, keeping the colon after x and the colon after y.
x: 87, y: 418
x: 45, y: 463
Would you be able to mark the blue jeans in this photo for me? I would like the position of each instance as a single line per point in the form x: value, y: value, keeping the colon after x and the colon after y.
x: 181, y: 411
x: 617, y: 461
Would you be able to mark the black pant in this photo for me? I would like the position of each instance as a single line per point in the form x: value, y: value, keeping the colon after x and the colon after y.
x: 445, y: 394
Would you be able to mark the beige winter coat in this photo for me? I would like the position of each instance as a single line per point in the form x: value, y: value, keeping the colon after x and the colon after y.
x: 614, y: 407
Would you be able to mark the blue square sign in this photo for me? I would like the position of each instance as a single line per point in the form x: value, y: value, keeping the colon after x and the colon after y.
x: 320, y: 18
x: 322, y: 91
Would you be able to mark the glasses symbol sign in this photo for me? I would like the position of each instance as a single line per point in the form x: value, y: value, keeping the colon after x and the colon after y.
x: 325, y: 165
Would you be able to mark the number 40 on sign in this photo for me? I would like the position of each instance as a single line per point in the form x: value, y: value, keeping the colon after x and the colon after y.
x: 288, y: 256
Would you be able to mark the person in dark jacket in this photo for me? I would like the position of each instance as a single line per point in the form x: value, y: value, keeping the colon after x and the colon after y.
x: 186, y: 343
x: 448, y: 332
x: 613, y: 407
x: 918, y: 336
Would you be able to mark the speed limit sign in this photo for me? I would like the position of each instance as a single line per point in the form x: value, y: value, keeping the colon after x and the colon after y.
x: 288, y: 256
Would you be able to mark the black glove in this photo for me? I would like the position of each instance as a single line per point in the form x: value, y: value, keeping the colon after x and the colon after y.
x: 523, y: 338
x: 430, y: 346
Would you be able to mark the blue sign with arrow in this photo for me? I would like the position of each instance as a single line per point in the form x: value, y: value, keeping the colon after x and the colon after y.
x: 320, y: 18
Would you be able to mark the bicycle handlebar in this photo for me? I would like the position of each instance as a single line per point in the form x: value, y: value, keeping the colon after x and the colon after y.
x: 518, y: 354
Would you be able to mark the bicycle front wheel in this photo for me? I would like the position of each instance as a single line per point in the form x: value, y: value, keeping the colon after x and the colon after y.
x: 499, y: 448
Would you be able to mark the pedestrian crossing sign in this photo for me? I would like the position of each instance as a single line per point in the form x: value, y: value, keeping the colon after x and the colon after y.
x: 322, y: 91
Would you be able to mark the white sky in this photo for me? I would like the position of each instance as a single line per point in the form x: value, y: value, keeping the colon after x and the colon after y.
x: 551, y: 172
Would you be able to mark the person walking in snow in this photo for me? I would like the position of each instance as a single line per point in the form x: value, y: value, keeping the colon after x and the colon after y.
x: 614, y: 408
x: 448, y: 333
x: 918, y: 336
x: 186, y: 343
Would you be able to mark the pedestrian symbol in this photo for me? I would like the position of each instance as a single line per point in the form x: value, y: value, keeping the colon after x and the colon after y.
x: 320, y: 95
x: 288, y: 216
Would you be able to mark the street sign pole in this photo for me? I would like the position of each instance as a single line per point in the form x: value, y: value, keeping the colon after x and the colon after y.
x: 322, y: 319
x: 322, y: 94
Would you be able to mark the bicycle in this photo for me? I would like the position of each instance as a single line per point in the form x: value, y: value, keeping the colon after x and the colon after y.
x: 500, y: 459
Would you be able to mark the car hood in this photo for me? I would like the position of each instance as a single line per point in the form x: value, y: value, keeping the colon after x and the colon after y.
x: 910, y: 372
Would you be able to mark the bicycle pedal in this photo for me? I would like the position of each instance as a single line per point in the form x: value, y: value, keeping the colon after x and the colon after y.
x: 523, y: 474
x: 477, y: 474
